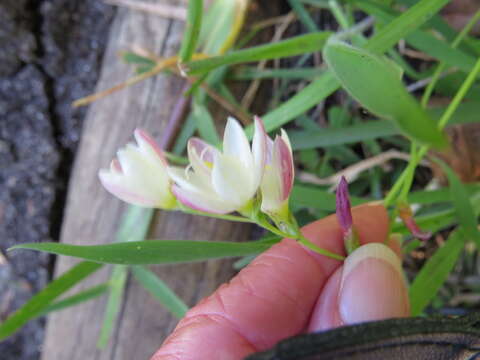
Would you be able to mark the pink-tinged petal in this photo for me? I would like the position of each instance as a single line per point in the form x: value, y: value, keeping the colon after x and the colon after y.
x: 344, y: 214
x: 201, y: 202
x: 144, y: 139
x: 259, y: 150
x: 285, y: 137
x: 115, y: 166
x: 205, y: 151
x: 235, y: 143
x: 113, y: 186
x: 283, y: 159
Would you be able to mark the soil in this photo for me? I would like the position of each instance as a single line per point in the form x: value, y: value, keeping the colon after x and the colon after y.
x: 51, y: 52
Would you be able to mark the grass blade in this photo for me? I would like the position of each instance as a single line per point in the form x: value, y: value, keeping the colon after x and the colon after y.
x: 114, y: 304
x: 78, y: 298
x: 434, y: 273
x: 338, y: 136
x: 461, y: 201
x: 294, y: 46
x: 192, y: 30
x: 152, y: 251
x: 160, y: 291
x: 40, y: 301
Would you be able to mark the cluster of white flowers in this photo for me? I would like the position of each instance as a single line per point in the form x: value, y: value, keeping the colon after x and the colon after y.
x: 215, y: 181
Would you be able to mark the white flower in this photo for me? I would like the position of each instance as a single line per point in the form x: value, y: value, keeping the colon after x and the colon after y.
x: 222, y: 182
x: 278, y: 177
x: 139, y: 174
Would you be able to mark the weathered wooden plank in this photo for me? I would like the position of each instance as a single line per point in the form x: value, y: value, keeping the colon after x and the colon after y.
x: 92, y: 215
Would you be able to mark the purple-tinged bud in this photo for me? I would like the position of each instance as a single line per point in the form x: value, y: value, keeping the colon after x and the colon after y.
x: 344, y: 216
x: 344, y: 213
x: 405, y: 213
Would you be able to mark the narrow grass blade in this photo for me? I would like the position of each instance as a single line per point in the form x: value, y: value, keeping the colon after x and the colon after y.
x: 152, y: 251
x: 78, y: 298
x: 434, y: 273
x: 294, y: 46
x: 205, y: 123
x: 461, y: 201
x: 134, y: 227
x: 404, y: 24
x: 39, y: 302
x: 114, y: 304
x: 192, y: 30
x: 160, y: 291
x: 338, y: 136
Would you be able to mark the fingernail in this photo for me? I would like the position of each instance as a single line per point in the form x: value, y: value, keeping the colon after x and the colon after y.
x: 372, y: 286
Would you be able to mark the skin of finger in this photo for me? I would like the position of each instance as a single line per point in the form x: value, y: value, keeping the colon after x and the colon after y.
x: 273, y: 297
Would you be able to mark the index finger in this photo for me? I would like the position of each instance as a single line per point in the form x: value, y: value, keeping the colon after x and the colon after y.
x: 272, y: 298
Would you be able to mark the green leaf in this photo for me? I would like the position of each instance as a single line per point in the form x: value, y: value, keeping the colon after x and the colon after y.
x: 461, y: 201
x: 375, y: 83
x: 434, y: 273
x: 114, y: 303
x: 338, y: 136
x: 40, y: 301
x: 78, y: 298
x: 251, y: 72
x: 326, y: 84
x: 160, y: 291
x: 294, y: 46
x: 192, y: 30
x: 220, y: 25
x: 152, y: 251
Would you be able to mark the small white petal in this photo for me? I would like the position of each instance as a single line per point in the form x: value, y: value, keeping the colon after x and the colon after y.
x: 115, y: 184
x: 206, y: 202
x: 149, y: 147
x: 232, y: 181
x: 235, y: 143
x: 191, y: 181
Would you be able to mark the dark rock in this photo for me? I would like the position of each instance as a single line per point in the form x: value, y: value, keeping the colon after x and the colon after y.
x: 51, y: 53
x: 17, y: 42
x: 74, y: 35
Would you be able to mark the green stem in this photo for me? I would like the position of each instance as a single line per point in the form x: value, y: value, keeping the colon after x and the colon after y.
x: 301, y: 239
x: 308, y: 244
x: 459, y: 95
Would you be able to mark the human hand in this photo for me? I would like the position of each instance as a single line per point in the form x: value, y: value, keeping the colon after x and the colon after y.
x: 288, y: 290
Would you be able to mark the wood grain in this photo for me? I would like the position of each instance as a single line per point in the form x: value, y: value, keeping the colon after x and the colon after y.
x: 92, y: 215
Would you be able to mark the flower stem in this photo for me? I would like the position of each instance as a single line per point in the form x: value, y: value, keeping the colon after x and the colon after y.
x: 301, y: 239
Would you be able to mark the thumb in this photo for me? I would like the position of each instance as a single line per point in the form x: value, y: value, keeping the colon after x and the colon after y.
x: 369, y: 286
